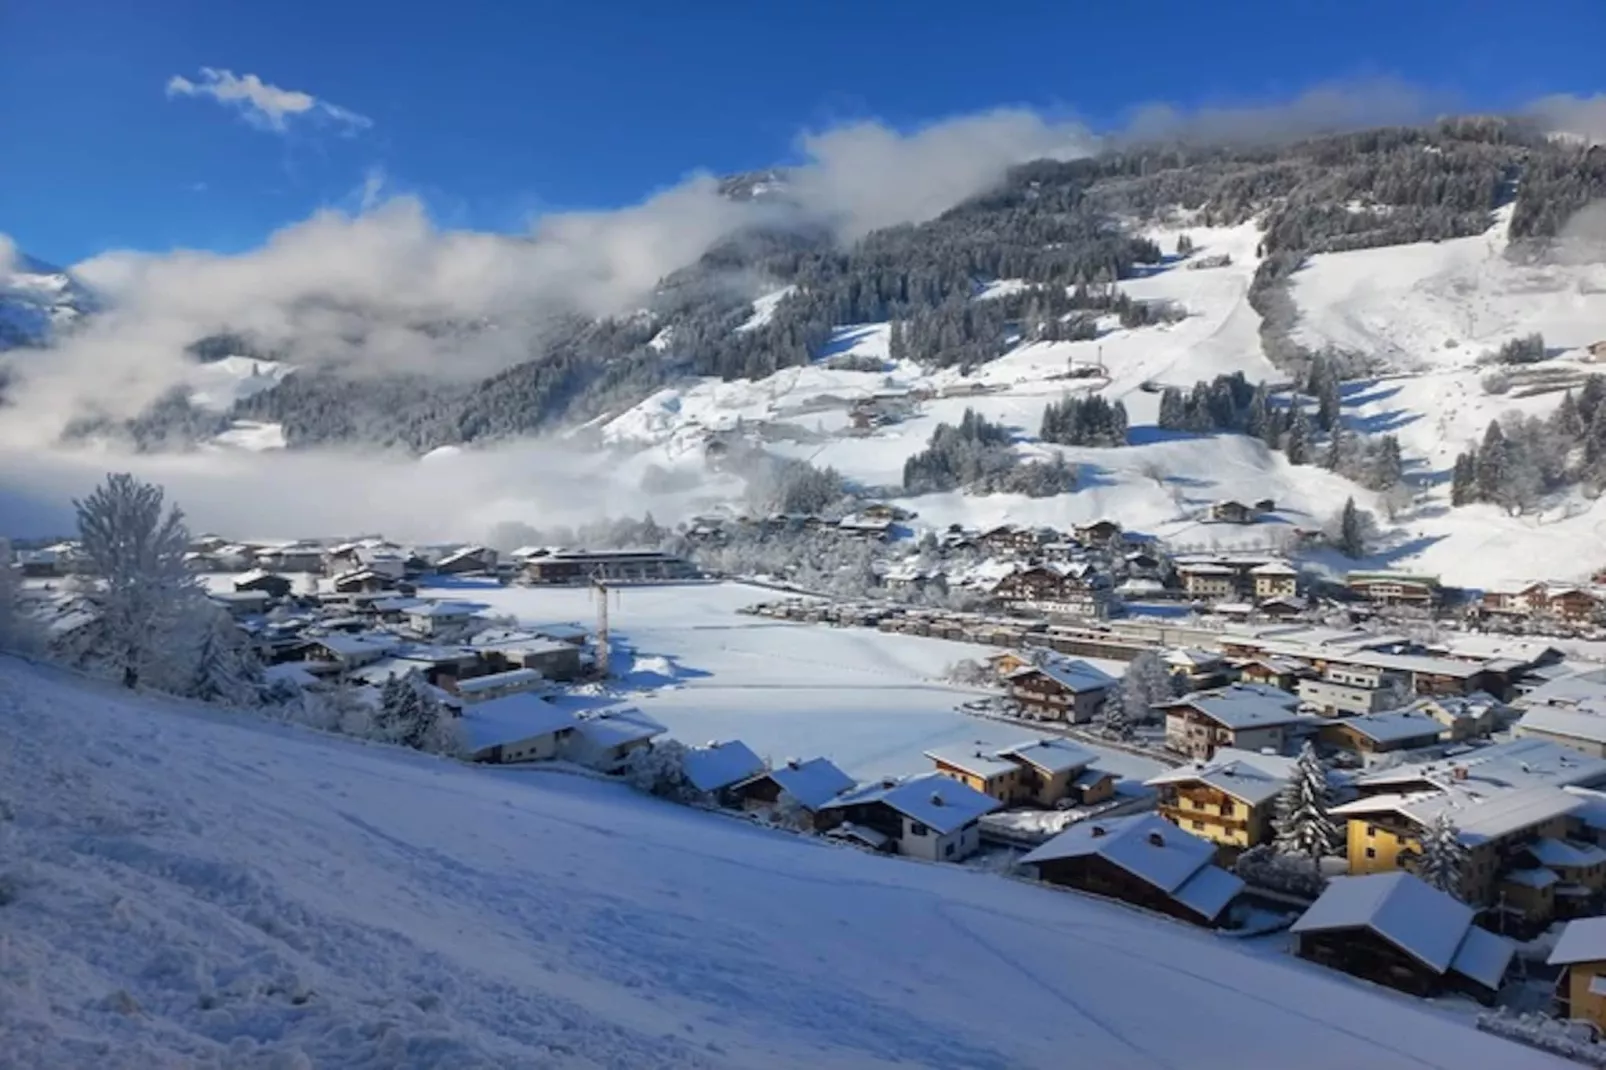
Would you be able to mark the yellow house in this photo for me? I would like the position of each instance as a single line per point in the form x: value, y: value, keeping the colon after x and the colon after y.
x: 1581, y: 951
x: 1040, y: 772
x: 1228, y: 799
x: 1384, y: 832
x: 972, y: 766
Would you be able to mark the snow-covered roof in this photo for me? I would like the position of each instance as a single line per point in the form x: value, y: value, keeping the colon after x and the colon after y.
x: 347, y: 646
x: 614, y: 728
x: 973, y: 760
x: 1483, y: 956
x: 442, y: 609
x: 941, y: 803
x: 812, y: 783
x: 1550, y: 851
x: 1145, y: 845
x: 253, y: 575
x: 1243, y: 706
x: 1238, y: 779
x: 289, y: 672
x: 1403, y: 909
x: 1274, y: 568
x: 1208, y: 891
x: 1393, y: 726
x: 1498, y: 767
x: 1074, y: 675
x: 1538, y: 877
x: 719, y: 765
x: 1585, y: 721
x: 492, y: 681
x: 1476, y: 817
x: 1051, y: 755
x: 512, y: 718
x: 1192, y: 657
x: 1592, y: 806
x: 1583, y: 940
x: 1569, y: 690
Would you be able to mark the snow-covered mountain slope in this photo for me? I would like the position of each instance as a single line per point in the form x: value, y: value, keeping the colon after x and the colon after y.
x: 1161, y: 484
x: 36, y: 301
x: 193, y: 888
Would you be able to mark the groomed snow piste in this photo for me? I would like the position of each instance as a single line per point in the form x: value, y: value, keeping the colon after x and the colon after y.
x: 191, y: 888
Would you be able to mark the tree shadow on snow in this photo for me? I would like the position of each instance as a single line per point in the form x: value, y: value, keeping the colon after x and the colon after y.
x: 1149, y: 434
x: 1357, y: 393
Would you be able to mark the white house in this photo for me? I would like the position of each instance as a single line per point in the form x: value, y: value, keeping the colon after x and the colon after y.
x: 439, y: 618
x: 517, y: 728
x: 931, y: 816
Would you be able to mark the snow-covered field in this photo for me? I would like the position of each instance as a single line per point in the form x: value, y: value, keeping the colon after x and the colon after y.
x: 191, y: 888
x: 871, y: 702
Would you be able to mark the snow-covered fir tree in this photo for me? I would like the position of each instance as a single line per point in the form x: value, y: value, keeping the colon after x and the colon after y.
x: 1303, y: 822
x: 227, y: 669
x: 1444, y: 857
x: 143, y: 589
x: 1116, y: 721
x: 1147, y: 681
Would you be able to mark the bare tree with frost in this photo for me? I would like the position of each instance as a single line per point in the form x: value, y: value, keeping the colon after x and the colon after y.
x: 142, y: 589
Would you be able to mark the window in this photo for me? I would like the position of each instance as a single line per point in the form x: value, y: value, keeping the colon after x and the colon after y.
x: 916, y: 829
x: 1371, y: 831
x: 1198, y: 824
x: 948, y: 851
x: 1371, y: 852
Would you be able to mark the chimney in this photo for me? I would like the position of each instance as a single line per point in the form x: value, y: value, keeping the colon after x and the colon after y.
x: 888, y: 782
x: 1098, y: 830
x: 1156, y: 840
x: 936, y: 798
x: 1460, y: 772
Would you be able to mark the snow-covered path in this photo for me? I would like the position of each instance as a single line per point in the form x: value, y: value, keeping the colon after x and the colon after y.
x: 197, y: 889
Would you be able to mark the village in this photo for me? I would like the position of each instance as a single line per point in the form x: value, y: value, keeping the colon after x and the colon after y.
x: 1359, y: 770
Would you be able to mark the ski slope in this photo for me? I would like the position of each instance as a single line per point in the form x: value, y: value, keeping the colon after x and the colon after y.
x: 192, y: 888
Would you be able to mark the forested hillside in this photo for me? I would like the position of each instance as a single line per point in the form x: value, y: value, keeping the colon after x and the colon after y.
x: 1063, y: 231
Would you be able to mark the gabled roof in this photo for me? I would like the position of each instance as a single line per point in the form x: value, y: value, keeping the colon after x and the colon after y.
x: 1585, y: 721
x: 347, y: 646
x: 1274, y: 568
x: 613, y: 728
x: 1477, y: 818
x: 1146, y: 846
x: 973, y: 760
x: 1392, y: 726
x: 1208, y: 891
x: 1499, y: 767
x: 939, y: 802
x: 1074, y: 676
x: 1242, y: 706
x: 812, y: 783
x: 1583, y: 940
x: 512, y: 718
x: 1403, y: 909
x: 1238, y: 779
x: 1052, y: 755
x: 719, y: 765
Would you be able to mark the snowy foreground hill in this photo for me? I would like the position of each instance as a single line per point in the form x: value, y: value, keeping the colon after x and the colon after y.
x: 187, y: 889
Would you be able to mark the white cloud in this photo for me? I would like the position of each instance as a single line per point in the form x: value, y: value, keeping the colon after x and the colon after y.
x: 8, y: 256
x: 1323, y: 109
x: 1581, y: 117
x: 265, y: 106
x: 867, y: 175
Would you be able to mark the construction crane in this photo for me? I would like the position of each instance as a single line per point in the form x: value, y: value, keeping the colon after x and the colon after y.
x: 600, y: 590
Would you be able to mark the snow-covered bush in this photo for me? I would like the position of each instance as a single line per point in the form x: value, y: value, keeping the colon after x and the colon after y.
x: 226, y: 669
x: 659, y: 769
x: 969, y: 672
x: 1546, y: 1034
x: 1297, y: 875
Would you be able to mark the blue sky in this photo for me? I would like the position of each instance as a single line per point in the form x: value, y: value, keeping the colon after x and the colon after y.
x: 494, y: 112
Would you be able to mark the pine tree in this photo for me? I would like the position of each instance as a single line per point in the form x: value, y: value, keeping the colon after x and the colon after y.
x: 1492, y: 463
x: 1351, y: 532
x: 1464, y: 480
x: 227, y: 670
x: 1444, y: 857
x: 1303, y: 822
x: 1296, y: 444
